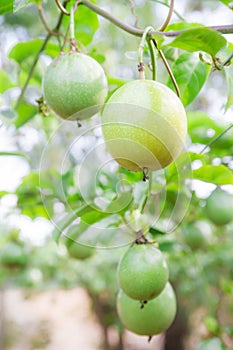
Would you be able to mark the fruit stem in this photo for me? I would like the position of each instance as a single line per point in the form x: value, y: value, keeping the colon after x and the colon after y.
x: 146, y: 196
x: 73, y: 47
x: 141, y: 66
x: 145, y: 172
x: 153, y: 59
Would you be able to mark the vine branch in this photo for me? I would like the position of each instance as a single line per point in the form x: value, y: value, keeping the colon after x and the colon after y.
x: 62, y: 8
x: 176, y: 13
x: 55, y: 29
x: 169, y: 16
x: 43, y: 20
x: 168, y: 68
x: 132, y: 6
x: 216, y: 138
x: 224, y: 29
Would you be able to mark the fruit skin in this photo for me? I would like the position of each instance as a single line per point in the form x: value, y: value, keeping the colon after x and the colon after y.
x: 13, y: 255
x: 80, y: 251
x: 197, y: 234
x: 144, y: 125
x: 75, y: 86
x: 219, y: 207
x: 142, y: 272
x: 155, y: 317
x: 76, y: 250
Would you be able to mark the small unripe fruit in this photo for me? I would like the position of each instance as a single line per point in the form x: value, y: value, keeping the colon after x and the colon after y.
x: 219, y: 207
x: 197, y: 234
x: 78, y: 247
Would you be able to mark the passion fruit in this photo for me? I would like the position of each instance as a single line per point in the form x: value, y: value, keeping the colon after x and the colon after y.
x: 219, y: 207
x: 144, y: 125
x: 142, y: 272
x: 155, y: 317
x: 77, y: 245
x: 75, y: 86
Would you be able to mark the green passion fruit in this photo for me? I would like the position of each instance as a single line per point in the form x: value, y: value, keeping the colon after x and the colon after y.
x: 219, y: 207
x: 142, y: 272
x: 197, y: 234
x: 75, y: 86
x: 155, y: 317
x: 144, y: 125
x: 77, y: 245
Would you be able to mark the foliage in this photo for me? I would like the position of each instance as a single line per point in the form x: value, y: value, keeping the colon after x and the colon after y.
x: 71, y: 179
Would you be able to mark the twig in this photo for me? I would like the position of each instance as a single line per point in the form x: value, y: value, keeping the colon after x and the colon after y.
x: 56, y: 28
x: 224, y: 29
x: 65, y: 39
x: 169, y: 16
x: 165, y: 62
x: 175, y: 12
x: 216, y: 138
x: 43, y: 20
x: 132, y: 6
x: 127, y: 28
x: 62, y: 8
x: 228, y: 60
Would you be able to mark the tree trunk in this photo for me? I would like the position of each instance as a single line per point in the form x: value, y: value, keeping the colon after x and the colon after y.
x: 176, y: 334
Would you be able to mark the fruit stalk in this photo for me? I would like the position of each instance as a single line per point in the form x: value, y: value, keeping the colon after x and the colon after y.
x: 73, y: 47
x: 153, y: 59
x: 141, y: 66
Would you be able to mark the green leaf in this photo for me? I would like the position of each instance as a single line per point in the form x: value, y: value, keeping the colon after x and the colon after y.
x: 190, y: 74
x: 168, y: 246
x: 199, y: 39
x: 154, y: 231
x: 6, y: 6
x: 86, y: 24
x: 23, y: 50
x: 182, y: 26
x: 53, y: 50
x: 5, y: 82
x: 226, y: 2
x: 25, y: 113
x: 19, y: 4
x: 216, y: 174
x: 3, y: 193
x: 68, y: 219
x: 199, y: 123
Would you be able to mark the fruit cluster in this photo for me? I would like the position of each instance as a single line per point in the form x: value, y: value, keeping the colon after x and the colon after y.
x: 144, y: 123
x: 144, y: 128
x: 146, y: 301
